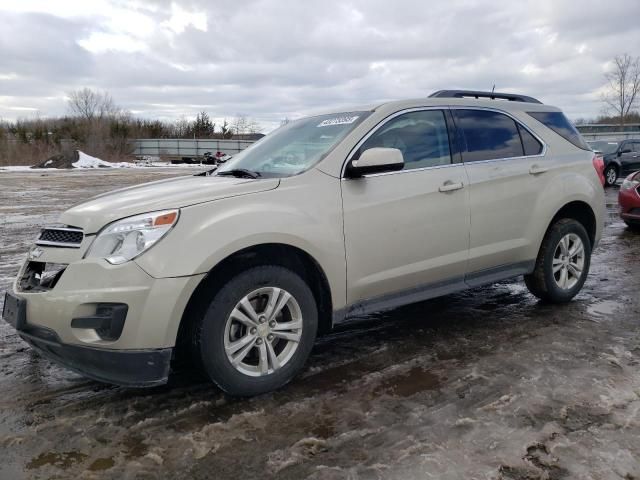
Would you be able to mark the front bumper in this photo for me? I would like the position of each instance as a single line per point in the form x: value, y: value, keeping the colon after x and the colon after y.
x: 154, y: 305
x: 57, y: 319
x: 130, y: 368
x: 629, y: 201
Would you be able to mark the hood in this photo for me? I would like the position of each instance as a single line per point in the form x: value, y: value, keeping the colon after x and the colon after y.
x: 179, y: 192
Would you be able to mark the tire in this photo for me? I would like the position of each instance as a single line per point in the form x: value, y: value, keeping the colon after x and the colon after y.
x: 544, y: 283
x: 271, y: 361
x: 634, y: 226
x: 610, y: 175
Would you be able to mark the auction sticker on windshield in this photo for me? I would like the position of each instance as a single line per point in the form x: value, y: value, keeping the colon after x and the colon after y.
x: 338, y: 121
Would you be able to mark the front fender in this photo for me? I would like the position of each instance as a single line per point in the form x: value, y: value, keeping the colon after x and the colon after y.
x: 303, y: 212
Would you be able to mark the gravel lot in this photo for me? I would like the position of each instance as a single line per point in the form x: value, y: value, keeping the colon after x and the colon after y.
x: 486, y: 384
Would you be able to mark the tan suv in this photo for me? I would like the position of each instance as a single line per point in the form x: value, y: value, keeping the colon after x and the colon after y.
x: 328, y: 217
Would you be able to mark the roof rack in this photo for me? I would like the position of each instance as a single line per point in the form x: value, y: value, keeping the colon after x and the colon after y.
x: 512, y: 97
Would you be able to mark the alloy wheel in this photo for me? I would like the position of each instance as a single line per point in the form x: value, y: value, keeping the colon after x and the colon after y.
x: 263, y: 331
x: 568, y: 261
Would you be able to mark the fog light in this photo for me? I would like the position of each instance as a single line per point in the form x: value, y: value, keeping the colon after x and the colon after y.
x: 108, y: 321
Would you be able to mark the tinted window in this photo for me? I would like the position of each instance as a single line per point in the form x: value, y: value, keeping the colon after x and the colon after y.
x: 636, y: 147
x: 489, y: 135
x: 422, y: 138
x: 530, y: 143
x: 557, y: 122
x: 626, y: 147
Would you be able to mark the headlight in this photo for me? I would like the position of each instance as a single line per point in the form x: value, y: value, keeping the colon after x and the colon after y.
x: 125, y: 239
x: 630, y: 182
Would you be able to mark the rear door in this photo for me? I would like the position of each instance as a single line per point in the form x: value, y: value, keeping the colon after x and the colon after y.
x: 506, y: 166
x: 407, y: 232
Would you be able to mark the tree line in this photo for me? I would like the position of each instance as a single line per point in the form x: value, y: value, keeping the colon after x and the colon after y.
x: 96, y: 125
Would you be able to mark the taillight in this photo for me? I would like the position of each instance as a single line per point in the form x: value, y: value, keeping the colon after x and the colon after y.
x: 598, y: 164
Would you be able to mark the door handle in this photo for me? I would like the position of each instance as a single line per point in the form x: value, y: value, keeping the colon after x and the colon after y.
x: 537, y: 170
x: 449, y: 186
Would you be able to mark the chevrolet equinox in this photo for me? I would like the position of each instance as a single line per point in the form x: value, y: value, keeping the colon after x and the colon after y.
x: 329, y: 217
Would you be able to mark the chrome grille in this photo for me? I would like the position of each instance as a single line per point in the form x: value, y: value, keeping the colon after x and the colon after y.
x: 69, y: 237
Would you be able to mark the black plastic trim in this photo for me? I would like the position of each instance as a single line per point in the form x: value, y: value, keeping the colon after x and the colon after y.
x: 512, y: 97
x: 129, y: 368
x: 108, y: 321
x: 433, y: 290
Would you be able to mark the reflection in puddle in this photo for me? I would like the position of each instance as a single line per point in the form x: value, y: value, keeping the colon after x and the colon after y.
x: 603, y: 308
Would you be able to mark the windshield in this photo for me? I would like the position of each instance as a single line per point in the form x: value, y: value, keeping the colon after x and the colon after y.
x: 604, y: 146
x: 295, y: 147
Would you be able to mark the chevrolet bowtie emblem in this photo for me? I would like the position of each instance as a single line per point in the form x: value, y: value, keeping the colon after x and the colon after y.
x: 35, y: 253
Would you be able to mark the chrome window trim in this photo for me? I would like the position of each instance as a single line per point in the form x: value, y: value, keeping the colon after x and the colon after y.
x: 452, y: 164
x: 421, y: 169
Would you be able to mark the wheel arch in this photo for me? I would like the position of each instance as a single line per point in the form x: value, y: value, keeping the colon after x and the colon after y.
x: 285, y: 255
x: 615, y: 163
x: 582, y: 213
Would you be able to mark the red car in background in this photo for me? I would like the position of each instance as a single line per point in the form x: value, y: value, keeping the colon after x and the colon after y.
x: 629, y: 200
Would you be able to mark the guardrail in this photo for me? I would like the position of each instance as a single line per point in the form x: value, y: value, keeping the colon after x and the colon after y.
x: 610, y: 135
x: 186, y: 148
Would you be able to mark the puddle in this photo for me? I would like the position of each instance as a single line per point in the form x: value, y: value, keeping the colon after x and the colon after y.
x: 414, y: 381
x: 603, y: 308
x: 102, y: 464
x: 61, y: 460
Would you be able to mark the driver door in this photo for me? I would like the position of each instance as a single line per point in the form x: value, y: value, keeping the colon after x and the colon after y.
x: 632, y: 159
x: 407, y: 232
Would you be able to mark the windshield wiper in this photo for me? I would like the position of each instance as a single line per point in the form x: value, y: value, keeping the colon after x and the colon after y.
x: 239, y: 173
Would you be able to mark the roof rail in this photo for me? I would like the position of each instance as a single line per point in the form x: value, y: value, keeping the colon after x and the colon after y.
x: 512, y: 97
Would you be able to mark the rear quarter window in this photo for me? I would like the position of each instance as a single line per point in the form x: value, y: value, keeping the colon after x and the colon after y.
x: 557, y: 122
x: 530, y: 143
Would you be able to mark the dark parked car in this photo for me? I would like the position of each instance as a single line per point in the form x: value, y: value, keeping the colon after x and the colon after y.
x: 620, y: 158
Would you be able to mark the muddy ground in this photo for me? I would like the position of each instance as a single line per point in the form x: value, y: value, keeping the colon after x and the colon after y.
x: 487, y: 384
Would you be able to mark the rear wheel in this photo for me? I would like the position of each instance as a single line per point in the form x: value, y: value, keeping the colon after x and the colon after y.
x: 610, y: 175
x: 563, y: 262
x: 258, y: 331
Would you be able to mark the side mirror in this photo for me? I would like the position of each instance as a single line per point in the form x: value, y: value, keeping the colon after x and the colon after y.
x: 376, y: 160
x: 626, y: 150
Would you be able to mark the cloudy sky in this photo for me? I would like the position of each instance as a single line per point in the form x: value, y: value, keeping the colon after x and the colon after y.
x: 272, y: 59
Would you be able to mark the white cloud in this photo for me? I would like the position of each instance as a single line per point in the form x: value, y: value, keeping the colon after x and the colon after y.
x: 273, y: 58
x: 181, y: 19
x: 100, y: 42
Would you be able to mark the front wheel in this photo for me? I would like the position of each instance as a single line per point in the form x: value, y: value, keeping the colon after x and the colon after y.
x: 563, y: 262
x: 610, y: 175
x: 258, y: 331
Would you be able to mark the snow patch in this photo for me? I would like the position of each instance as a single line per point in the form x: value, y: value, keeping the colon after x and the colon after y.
x: 87, y: 161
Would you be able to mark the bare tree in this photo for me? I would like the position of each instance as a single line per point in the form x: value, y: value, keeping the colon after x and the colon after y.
x: 92, y: 104
x: 242, y: 125
x: 624, y: 86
